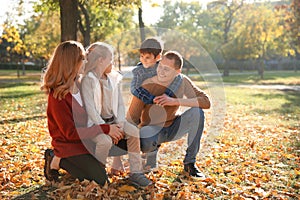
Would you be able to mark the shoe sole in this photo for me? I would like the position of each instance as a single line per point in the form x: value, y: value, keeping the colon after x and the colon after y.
x: 139, y: 186
x: 154, y: 170
x: 193, y: 177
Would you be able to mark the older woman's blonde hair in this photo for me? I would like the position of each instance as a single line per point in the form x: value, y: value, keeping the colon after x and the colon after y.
x: 94, y: 52
x: 63, y: 68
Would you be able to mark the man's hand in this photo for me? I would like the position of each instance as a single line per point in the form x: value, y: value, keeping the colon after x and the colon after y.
x: 165, y: 100
x: 116, y: 133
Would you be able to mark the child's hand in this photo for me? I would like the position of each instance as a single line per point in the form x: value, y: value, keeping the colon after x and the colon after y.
x: 115, y: 141
x: 165, y: 100
x: 116, y: 133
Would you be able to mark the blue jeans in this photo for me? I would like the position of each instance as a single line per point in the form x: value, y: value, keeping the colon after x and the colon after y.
x: 191, y: 122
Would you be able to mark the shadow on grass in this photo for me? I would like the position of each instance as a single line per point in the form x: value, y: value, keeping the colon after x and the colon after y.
x: 15, y: 83
x: 24, y: 119
x: 290, y: 107
x: 40, y: 193
x: 16, y: 94
x: 270, y: 77
x: 43, y: 192
x: 56, y: 192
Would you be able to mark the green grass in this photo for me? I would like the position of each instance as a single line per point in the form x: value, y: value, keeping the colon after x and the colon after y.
x: 269, y: 106
x: 252, y: 77
x: 9, y: 78
x: 19, y: 100
x: 17, y: 93
x: 270, y: 77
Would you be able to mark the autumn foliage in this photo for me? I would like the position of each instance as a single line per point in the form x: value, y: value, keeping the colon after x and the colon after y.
x: 256, y: 156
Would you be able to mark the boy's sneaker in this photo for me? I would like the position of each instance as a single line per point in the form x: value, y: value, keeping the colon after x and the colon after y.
x: 193, y: 171
x: 139, y: 180
x: 50, y: 174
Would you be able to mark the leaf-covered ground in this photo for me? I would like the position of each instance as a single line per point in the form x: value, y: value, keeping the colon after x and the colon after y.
x: 256, y: 156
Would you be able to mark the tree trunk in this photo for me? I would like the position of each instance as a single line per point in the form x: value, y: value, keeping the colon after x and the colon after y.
x: 23, y: 68
x: 68, y: 19
x: 297, y: 57
x: 261, y: 68
x: 18, y: 71
x: 226, y: 68
x: 141, y: 24
x: 87, y: 31
x: 119, y: 54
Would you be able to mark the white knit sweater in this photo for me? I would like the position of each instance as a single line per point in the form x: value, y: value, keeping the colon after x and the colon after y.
x: 92, y: 97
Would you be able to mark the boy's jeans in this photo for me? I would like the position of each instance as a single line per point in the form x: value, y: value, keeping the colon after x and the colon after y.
x: 191, y: 122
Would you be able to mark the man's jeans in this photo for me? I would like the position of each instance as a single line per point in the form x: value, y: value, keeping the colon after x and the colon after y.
x: 191, y: 122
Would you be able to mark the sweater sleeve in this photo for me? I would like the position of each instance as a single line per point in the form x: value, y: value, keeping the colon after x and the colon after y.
x: 67, y: 120
x: 192, y: 91
x: 121, y: 106
x: 139, y: 75
x: 87, y: 90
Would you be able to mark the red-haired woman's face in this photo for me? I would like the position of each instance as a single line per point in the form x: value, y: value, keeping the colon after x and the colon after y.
x: 82, y: 65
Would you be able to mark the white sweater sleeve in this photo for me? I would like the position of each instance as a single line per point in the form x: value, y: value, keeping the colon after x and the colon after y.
x: 89, y: 90
x: 121, y: 107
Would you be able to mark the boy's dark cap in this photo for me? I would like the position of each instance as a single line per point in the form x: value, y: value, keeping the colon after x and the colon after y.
x: 151, y: 43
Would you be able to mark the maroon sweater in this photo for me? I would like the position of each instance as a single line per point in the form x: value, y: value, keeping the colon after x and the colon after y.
x: 67, y: 124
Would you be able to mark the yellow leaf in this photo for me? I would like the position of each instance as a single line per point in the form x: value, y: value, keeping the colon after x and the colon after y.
x: 164, y: 185
x: 236, y: 180
x: 126, y: 188
x: 176, y: 162
x: 219, y: 170
x: 34, y: 149
x: 68, y: 197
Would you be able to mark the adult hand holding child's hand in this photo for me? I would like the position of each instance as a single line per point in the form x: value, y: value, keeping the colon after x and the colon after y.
x: 165, y: 100
x: 116, y: 133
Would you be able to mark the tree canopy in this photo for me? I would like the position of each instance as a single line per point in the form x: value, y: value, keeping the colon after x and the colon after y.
x: 228, y: 30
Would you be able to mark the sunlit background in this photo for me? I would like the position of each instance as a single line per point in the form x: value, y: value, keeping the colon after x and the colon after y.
x: 152, y: 10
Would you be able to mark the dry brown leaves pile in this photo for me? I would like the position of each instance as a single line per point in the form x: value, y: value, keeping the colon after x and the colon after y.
x: 249, y: 160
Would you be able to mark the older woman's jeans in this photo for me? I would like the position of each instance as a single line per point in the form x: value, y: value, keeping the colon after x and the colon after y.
x: 191, y: 122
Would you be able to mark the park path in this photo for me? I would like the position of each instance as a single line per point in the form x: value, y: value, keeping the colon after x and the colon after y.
x: 268, y: 86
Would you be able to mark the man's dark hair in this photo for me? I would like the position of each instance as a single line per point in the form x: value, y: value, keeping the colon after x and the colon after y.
x: 174, y: 55
x: 152, y: 46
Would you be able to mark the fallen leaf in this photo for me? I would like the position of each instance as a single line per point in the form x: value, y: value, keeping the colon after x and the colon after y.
x: 126, y: 188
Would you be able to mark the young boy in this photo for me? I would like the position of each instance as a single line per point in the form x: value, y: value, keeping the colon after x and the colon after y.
x: 150, y: 54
